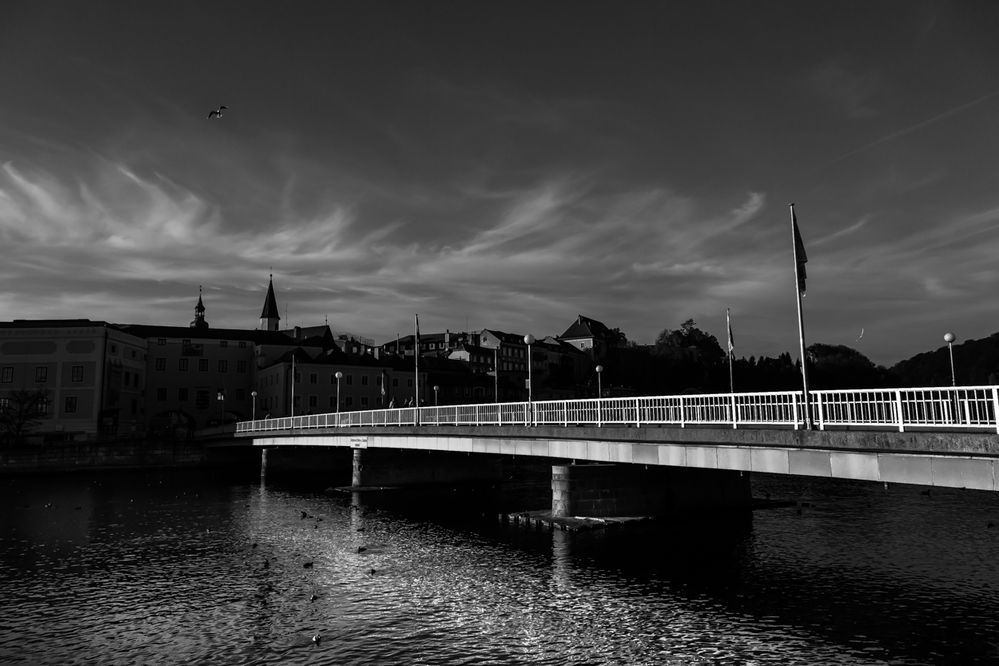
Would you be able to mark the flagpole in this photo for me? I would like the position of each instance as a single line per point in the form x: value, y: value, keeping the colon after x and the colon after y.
x: 416, y: 357
x: 731, y: 375
x: 292, y: 383
x: 798, y: 284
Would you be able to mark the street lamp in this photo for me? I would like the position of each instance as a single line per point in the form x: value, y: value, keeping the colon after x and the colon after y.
x: 221, y: 398
x: 496, y: 373
x: 599, y: 370
x: 529, y: 340
x: 253, y: 410
x: 436, y: 388
x: 338, y: 376
x: 949, y: 339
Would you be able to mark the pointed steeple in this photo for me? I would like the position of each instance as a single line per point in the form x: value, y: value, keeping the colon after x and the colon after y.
x: 269, y: 317
x: 199, y: 313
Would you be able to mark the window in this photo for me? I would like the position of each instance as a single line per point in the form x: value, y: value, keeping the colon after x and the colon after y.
x: 161, y: 341
x: 350, y: 379
x: 128, y: 378
x: 182, y: 364
x: 69, y: 406
x: 364, y: 380
x: 182, y: 394
x: 364, y: 401
x: 313, y: 378
x: 114, y: 349
x: 6, y: 374
x: 409, y: 383
x: 223, y: 365
x: 202, y: 365
x: 349, y: 401
x: 241, y: 367
x: 242, y: 344
x: 223, y: 343
x: 161, y: 365
x: 332, y: 402
x: 77, y: 373
x: 395, y: 382
x: 42, y: 374
x: 313, y: 401
x: 161, y: 394
x: 298, y: 377
x: 201, y: 399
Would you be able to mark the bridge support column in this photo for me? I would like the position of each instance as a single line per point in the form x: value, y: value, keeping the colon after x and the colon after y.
x: 604, y: 490
x: 263, y: 463
x: 356, y: 468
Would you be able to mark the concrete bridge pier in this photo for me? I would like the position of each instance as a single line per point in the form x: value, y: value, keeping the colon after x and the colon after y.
x: 605, y: 490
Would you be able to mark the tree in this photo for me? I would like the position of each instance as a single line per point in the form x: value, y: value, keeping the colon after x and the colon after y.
x: 20, y: 411
x: 839, y: 366
x: 693, y: 357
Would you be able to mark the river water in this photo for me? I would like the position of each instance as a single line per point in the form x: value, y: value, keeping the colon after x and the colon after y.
x: 192, y: 568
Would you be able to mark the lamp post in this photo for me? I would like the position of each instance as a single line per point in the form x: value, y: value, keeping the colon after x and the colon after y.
x: 253, y: 409
x: 529, y: 340
x: 949, y: 339
x: 338, y: 376
x: 600, y: 392
x: 221, y: 399
x: 436, y: 389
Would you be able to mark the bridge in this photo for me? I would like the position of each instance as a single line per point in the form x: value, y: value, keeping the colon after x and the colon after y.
x: 702, y: 447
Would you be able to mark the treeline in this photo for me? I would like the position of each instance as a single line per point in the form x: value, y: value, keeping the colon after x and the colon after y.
x: 690, y: 360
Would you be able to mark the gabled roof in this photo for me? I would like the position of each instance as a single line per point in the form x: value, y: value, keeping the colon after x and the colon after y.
x: 509, y: 338
x: 584, y: 327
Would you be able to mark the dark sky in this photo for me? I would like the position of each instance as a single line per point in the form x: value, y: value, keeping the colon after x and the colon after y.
x: 506, y: 165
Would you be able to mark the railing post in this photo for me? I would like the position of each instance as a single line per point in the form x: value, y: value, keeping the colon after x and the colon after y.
x: 821, y: 410
x: 794, y: 409
x: 599, y: 414
x: 638, y: 412
x: 898, y: 410
x: 565, y: 413
x: 735, y: 415
x: 683, y: 414
x: 995, y: 406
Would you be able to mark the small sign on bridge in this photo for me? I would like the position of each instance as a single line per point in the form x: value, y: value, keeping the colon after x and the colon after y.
x: 359, y: 442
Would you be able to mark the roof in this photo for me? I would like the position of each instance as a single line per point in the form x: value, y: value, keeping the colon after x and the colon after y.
x: 270, y: 310
x: 186, y: 332
x: 510, y: 338
x: 584, y: 327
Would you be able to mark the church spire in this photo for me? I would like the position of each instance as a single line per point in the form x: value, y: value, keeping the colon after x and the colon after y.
x: 199, y: 313
x: 269, y: 317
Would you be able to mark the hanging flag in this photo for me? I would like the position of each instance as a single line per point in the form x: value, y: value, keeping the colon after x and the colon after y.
x: 731, y: 340
x: 800, y: 257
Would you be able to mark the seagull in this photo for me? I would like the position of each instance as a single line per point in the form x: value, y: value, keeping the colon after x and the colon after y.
x: 861, y: 336
x: 217, y: 113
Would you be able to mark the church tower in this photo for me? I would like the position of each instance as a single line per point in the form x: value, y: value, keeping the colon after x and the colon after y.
x: 199, y: 313
x: 269, y: 317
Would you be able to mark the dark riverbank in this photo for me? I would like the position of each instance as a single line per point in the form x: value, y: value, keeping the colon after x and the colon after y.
x: 61, y: 457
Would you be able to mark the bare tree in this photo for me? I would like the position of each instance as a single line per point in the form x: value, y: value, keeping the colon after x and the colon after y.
x: 20, y: 411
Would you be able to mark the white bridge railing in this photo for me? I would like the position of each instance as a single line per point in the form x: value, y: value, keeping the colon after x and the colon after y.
x: 965, y: 407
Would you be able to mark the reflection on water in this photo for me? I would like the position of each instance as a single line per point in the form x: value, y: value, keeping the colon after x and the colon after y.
x: 186, y: 568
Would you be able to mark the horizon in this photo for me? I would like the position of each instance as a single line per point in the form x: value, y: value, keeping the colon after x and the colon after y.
x: 514, y: 162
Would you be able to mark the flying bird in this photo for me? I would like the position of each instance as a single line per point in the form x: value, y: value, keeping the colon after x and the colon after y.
x: 861, y: 336
x: 217, y: 113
